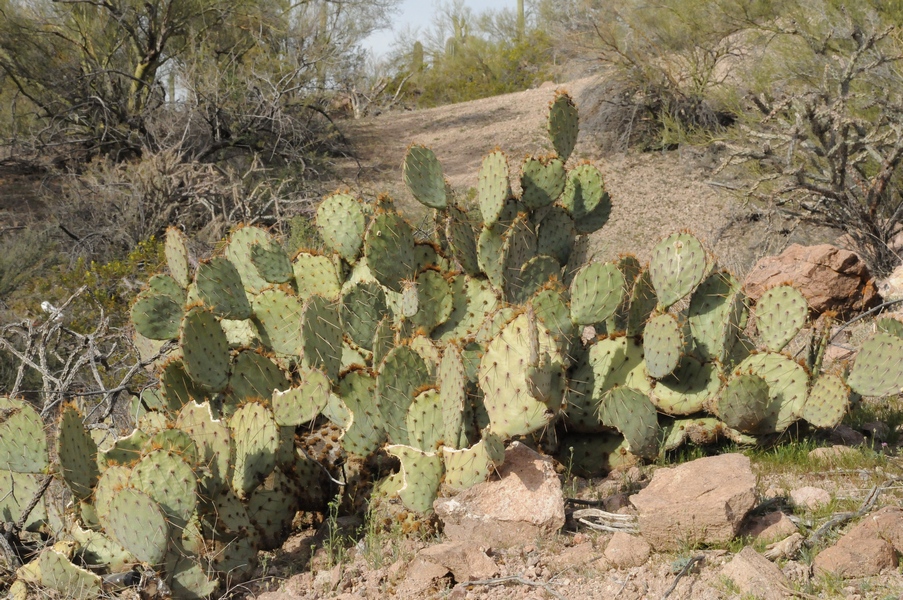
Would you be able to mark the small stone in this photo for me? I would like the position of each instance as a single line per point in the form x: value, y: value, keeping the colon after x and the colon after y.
x: 625, y: 551
x: 773, y: 526
x: 831, y: 453
x: 810, y: 497
x: 797, y: 572
x: 756, y: 575
x: 877, y: 430
x: 465, y: 561
x: 578, y: 556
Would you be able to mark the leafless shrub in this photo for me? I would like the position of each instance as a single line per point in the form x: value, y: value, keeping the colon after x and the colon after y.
x: 828, y: 146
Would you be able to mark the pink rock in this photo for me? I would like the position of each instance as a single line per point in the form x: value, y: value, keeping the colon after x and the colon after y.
x: 703, y: 501
x: 810, y: 497
x: 756, y: 575
x: 870, y: 547
x: 465, y: 560
x: 625, y: 550
x: 526, y: 502
x: 770, y: 527
x: 829, y: 278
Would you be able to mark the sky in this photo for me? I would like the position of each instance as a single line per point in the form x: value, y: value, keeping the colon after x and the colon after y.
x: 419, y: 13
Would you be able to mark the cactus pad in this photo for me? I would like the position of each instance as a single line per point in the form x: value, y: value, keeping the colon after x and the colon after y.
x: 542, y: 180
x: 316, y: 274
x: 256, y: 440
x: 253, y: 376
x: 585, y: 198
x: 663, y: 345
x: 271, y: 262
x: 139, y: 525
x: 493, y: 189
x: 876, y: 371
x: 563, y: 125
x: 424, y: 421
x: 781, y: 313
x: 744, y: 402
x: 401, y: 372
x: 596, y: 292
x: 462, y: 239
x: 365, y: 432
x: 168, y: 481
x: 421, y: 473
x: 23, y: 444
x: 156, y: 316
x: 717, y: 315
x: 341, y: 221
x: 434, y: 301
x: 678, y: 265
x: 321, y: 336
x: 828, y: 402
x: 239, y: 253
x: 688, y: 388
x: 303, y: 402
x: 176, y: 250
x: 556, y: 235
x: 77, y: 454
x: 512, y: 408
x: 389, y: 248
x: 277, y: 315
x: 632, y: 413
x: 423, y: 177
x: 220, y: 288
x: 470, y: 466
x: 452, y: 381
x: 205, y: 349
x: 788, y: 386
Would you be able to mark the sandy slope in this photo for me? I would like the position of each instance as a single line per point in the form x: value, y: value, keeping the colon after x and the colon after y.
x: 654, y: 193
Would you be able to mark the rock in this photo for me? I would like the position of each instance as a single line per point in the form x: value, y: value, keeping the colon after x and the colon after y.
x: 755, y: 575
x: 420, y: 576
x: 773, y: 526
x: 524, y: 503
x: 868, y: 548
x: 625, y: 551
x: 578, y: 556
x: 810, y: 497
x: 891, y: 287
x: 703, y: 501
x: 465, y: 560
x: 797, y: 572
x: 846, y: 435
x: 877, y: 430
x: 829, y: 278
x: 831, y: 453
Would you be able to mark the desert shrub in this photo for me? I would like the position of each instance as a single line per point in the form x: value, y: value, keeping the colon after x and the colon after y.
x: 824, y: 135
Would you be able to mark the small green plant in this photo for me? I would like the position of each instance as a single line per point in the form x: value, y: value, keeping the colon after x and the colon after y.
x: 336, y: 542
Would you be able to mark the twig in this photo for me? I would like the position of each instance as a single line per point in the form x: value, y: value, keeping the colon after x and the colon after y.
x: 684, y: 571
x: 514, y: 579
x: 842, y: 518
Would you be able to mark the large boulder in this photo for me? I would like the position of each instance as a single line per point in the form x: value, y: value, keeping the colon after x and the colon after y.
x: 830, y: 278
x: 703, y: 501
x: 523, y: 503
x: 870, y: 547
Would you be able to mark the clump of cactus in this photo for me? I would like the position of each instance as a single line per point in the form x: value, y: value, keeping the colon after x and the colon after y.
x: 433, y: 350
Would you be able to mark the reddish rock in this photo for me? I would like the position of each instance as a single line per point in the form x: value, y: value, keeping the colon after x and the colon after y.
x: 626, y: 551
x: 870, y: 547
x: 524, y: 503
x: 810, y: 497
x: 829, y: 278
x: 756, y: 575
x: 832, y: 454
x: 703, y: 501
x: 582, y: 556
x: 891, y: 287
x: 465, y: 560
x: 773, y: 526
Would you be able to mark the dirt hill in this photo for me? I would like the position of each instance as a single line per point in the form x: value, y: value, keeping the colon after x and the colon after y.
x: 654, y: 193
